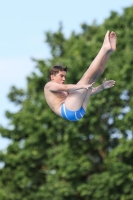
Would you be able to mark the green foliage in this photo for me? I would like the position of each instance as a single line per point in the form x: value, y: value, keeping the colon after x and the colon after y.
x: 51, y: 158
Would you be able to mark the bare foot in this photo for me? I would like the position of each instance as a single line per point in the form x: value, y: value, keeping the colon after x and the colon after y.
x: 109, y: 43
x: 112, y: 39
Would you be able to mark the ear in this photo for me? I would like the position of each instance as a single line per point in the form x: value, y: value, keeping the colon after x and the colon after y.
x: 52, y: 77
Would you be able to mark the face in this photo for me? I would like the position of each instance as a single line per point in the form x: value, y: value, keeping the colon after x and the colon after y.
x: 59, y: 78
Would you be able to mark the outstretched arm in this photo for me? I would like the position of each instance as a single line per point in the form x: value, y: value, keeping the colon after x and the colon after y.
x: 56, y: 87
x: 105, y: 85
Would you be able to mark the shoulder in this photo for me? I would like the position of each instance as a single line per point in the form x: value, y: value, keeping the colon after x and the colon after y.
x: 50, y: 83
x: 47, y: 84
x: 50, y: 86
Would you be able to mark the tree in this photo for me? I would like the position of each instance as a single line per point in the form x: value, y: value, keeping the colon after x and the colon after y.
x: 51, y: 158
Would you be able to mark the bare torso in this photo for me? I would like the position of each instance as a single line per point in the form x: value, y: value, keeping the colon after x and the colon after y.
x: 55, y: 99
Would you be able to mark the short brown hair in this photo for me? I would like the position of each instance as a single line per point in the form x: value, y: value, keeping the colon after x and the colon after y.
x: 56, y: 69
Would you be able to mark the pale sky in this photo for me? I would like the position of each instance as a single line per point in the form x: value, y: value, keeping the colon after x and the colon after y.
x: 22, y: 36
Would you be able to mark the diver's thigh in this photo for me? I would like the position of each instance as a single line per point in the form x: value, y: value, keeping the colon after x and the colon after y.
x: 75, y: 99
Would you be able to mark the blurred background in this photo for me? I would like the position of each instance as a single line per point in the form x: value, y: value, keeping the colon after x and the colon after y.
x: 23, y: 24
x: 43, y: 156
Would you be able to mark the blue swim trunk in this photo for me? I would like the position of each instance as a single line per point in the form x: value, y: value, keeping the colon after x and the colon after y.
x: 72, y: 115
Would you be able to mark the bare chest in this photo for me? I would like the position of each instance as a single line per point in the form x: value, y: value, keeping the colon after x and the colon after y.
x: 61, y: 95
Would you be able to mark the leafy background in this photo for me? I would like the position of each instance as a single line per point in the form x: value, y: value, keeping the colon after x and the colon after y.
x: 51, y: 158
